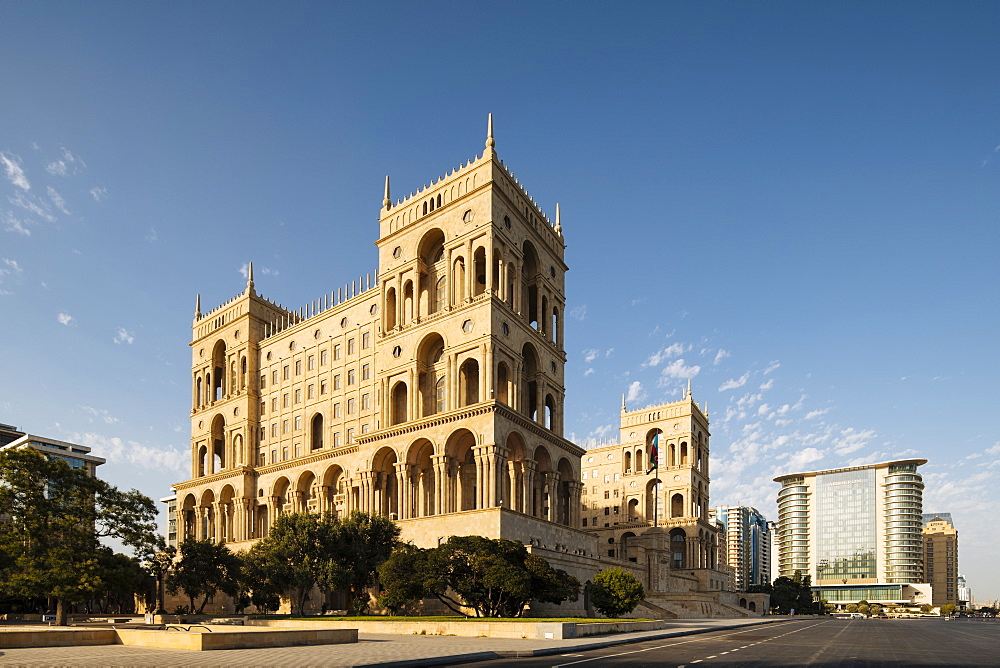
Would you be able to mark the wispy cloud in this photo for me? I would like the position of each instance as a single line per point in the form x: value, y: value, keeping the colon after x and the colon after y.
x: 99, y: 414
x: 768, y: 385
x: 259, y: 271
x: 12, y: 223
x: 99, y: 193
x: 8, y: 268
x: 851, y: 441
x: 123, y: 336
x: 15, y: 173
x: 57, y: 199
x: 671, y: 351
x: 733, y: 383
x: 29, y: 203
x: 811, y: 415
x: 172, y: 460
x: 151, y: 235
x: 590, y: 355
x: 772, y: 366
x: 588, y: 371
x: 721, y: 355
x: 64, y: 166
x: 64, y: 318
x: 578, y: 312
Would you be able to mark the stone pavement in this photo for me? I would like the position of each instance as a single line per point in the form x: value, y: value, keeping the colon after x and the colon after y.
x: 371, y: 650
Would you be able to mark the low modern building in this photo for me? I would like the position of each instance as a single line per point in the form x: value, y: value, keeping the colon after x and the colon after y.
x: 964, y: 593
x: 941, y: 557
x: 77, y: 456
x: 856, y: 532
x: 747, y: 544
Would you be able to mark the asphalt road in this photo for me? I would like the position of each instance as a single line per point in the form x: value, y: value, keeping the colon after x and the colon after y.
x: 827, y: 643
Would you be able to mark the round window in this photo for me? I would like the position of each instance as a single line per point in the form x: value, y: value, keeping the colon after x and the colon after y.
x: 291, y: 346
x: 344, y: 322
x: 468, y: 216
x: 397, y: 351
x: 236, y: 334
x: 467, y: 326
x: 374, y: 309
x: 396, y: 252
x: 316, y: 334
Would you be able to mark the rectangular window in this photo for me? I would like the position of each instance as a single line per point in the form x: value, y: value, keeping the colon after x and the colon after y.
x: 365, y: 402
x: 350, y: 435
x: 366, y: 371
x: 298, y: 367
x: 285, y: 372
x: 607, y: 494
x: 351, y: 348
x: 274, y: 377
x: 284, y: 426
x: 366, y: 340
x: 274, y: 429
x: 263, y: 380
x: 584, y: 521
x: 616, y: 510
x: 618, y: 477
x: 284, y: 453
x: 298, y: 449
x: 584, y: 475
x: 336, y: 352
x: 311, y: 363
x: 311, y: 392
x: 364, y: 429
x: 263, y: 407
x: 263, y: 433
x: 607, y: 478
x: 323, y: 358
x: 284, y: 400
x: 336, y: 410
x: 351, y: 377
x: 336, y: 382
x: 298, y: 423
x: 607, y: 511
x: 336, y: 439
x: 322, y: 387
x: 274, y: 456
x: 350, y: 406
x: 261, y: 459
x: 274, y: 404
x: 298, y: 396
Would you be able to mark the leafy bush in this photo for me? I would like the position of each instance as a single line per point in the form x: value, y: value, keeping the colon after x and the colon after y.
x: 615, y: 592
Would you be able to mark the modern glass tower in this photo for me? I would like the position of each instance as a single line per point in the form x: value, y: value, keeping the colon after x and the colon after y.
x: 855, y: 531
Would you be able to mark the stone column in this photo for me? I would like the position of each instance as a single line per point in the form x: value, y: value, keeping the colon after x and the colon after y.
x: 575, y: 487
x: 440, y: 464
x: 403, y: 504
x: 552, y: 485
x: 510, y: 499
x: 529, y: 468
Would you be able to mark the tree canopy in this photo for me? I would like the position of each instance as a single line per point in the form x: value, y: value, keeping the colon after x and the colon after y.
x: 493, y: 577
x: 204, y: 569
x: 615, y: 592
x: 57, y: 515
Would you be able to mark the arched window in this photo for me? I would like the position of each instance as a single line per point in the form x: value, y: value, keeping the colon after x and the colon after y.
x: 399, y: 404
x: 480, y: 271
x: 677, y: 505
x: 390, y: 308
x: 503, y: 384
x: 316, y: 432
x: 441, y: 294
x: 469, y: 382
x: 439, y: 395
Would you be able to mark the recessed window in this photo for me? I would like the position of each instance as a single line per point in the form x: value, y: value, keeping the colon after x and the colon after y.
x: 284, y: 400
x: 291, y: 346
x: 351, y: 377
x: 298, y: 423
x: 350, y: 435
x: 506, y: 222
x: 336, y: 410
x: 344, y: 322
x: 396, y: 252
x: 366, y: 340
x: 311, y: 362
x: 336, y: 382
x: 365, y: 402
x: 322, y: 387
x: 274, y: 405
x: 236, y: 334
x: 374, y: 309
x: 468, y: 216
x: 366, y: 371
x: 268, y: 357
x: 236, y: 411
x: 351, y: 347
x: 336, y: 352
x: 397, y: 351
x: 552, y: 272
x: 467, y: 326
x: 336, y: 439
x: 316, y: 334
x: 298, y: 397
x: 552, y: 366
x: 284, y: 426
x: 350, y: 406
x: 324, y: 357
x: 505, y: 329
x: 285, y: 370
x: 311, y: 392
x: 298, y: 367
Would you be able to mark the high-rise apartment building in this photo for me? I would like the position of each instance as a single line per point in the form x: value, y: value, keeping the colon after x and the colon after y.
x: 77, y: 456
x: 748, y: 544
x: 941, y: 557
x: 856, y: 532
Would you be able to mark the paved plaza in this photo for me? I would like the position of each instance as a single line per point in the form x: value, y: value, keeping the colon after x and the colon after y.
x: 370, y: 650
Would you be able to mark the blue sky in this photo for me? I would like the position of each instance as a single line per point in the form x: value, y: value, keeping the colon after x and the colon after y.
x: 792, y: 204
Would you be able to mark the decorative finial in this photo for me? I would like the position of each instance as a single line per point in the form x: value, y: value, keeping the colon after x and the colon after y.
x: 623, y: 402
x: 489, y: 133
x: 558, y: 220
x: 386, y: 202
x: 250, y: 277
x: 197, y: 306
x: 689, y: 389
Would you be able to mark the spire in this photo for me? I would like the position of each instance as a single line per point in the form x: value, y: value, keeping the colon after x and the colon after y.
x: 197, y: 306
x: 688, y: 396
x: 250, y: 277
x: 386, y: 202
x: 558, y: 220
x: 623, y: 402
x: 489, y: 134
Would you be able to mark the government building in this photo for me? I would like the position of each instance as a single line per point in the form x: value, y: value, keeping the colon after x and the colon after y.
x: 856, y: 532
x: 432, y: 392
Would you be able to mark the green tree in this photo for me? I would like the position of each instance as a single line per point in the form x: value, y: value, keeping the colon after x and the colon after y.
x: 874, y: 609
x: 158, y: 564
x: 56, y: 518
x: 496, y: 578
x: 851, y: 607
x: 616, y: 592
x: 204, y: 569
x: 864, y: 608
x: 948, y: 609
x: 360, y: 542
x: 927, y: 608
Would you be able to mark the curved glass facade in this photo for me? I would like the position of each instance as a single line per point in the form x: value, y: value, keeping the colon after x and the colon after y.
x: 903, y: 493
x: 793, y: 534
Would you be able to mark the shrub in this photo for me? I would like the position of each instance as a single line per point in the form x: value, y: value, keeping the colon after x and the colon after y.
x: 615, y: 592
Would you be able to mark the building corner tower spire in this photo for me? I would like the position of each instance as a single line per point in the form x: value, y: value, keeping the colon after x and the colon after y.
x: 250, y: 278
x: 386, y: 201
x: 197, y: 305
x: 490, y: 142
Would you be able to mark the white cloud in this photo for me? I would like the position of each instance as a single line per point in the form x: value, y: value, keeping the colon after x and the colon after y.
x: 763, y: 409
x: 15, y: 173
x: 131, y: 452
x: 63, y: 167
x: 64, y: 318
x: 578, y: 312
x: 99, y: 193
x: 29, y: 203
x: 100, y: 414
x: 635, y: 392
x: 721, y: 355
x: 588, y: 371
x: 851, y: 440
x: 123, y: 336
x: 10, y: 267
x: 732, y: 383
x: 673, y: 350
x: 799, y: 461
x: 12, y: 223
x: 678, y: 369
x: 815, y: 414
x: 151, y: 235
x: 57, y: 199
x: 590, y: 355
x: 258, y: 271
x: 772, y: 366
x: 768, y: 385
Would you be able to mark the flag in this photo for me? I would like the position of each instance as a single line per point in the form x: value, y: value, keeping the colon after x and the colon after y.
x: 654, y: 454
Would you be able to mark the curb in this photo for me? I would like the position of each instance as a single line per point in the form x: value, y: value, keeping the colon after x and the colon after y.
x: 546, y: 651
